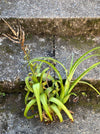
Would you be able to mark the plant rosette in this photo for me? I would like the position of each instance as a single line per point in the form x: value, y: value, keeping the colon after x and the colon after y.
x: 50, y: 99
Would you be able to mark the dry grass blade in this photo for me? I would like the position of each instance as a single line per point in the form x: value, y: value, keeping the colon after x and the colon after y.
x: 11, y: 39
x: 19, y: 36
x: 45, y: 116
x: 10, y: 27
x: 21, y: 33
x: 17, y: 32
x: 22, y: 39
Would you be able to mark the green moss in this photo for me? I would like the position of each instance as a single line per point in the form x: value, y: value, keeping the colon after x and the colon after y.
x: 80, y: 42
x: 28, y: 36
x: 44, y: 22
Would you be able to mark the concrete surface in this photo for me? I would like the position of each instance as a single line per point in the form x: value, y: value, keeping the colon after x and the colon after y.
x: 76, y: 46
x: 33, y: 14
x: 86, y: 117
x: 13, y: 68
x: 49, y: 8
x: 12, y: 63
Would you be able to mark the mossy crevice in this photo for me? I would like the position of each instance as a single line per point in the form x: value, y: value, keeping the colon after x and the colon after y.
x: 14, y: 87
x: 57, y: 26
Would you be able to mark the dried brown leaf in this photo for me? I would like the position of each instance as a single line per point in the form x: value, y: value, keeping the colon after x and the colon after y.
x: 14, y: 32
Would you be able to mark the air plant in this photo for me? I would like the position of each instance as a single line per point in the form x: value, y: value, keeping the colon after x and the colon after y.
x: 50, y: 99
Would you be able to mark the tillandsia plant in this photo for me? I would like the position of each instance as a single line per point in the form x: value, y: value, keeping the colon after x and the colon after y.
x: 50, y: 99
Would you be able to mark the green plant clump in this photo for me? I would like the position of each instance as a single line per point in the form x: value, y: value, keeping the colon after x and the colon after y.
x: 50, y: 99
x: 2, y: 94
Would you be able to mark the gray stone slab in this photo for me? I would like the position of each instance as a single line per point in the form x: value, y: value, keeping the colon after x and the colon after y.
x: 49, y: 8
x: 65, y: 47
x: 12, y: 64
x: 86, y: 118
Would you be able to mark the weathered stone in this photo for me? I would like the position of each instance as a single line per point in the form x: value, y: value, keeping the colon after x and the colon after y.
x: 86, y: 117
x: 66, y: 47
x: 49, y: 8
x: 13, y: 67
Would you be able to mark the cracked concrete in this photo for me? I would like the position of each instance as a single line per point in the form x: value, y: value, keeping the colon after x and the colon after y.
x: 56, y: 23
x: 13, y: 68
x: 12, y: 63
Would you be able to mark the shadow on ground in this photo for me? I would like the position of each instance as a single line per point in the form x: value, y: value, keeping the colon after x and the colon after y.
x: 86, y: 117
